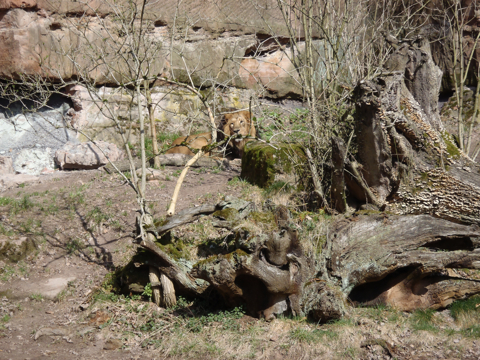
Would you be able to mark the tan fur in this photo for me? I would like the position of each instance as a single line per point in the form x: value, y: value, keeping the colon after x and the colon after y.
x: 232, y: 124
x: 238, y: 123
x: 194, y: 141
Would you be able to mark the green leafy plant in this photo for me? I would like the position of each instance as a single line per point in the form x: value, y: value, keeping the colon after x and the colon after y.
x: 147, y: 291
x: 36, y: 297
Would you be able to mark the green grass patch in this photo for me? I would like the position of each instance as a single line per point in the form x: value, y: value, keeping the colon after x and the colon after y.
x: 36, y: 297
x: 461, y: 307
x: 423, y: 320
x: 74, y: 245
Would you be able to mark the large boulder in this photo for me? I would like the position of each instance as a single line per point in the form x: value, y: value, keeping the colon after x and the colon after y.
x: 87, y: 155
x: 34, y: 161
x: 263, y: 164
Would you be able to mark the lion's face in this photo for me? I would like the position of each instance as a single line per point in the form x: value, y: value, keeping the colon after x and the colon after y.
x: 238, y: 123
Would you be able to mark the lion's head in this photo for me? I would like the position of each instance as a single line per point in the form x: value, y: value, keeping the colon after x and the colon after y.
x: 238, y: 123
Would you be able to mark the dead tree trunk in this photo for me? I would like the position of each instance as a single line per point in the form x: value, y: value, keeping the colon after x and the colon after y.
x: 411, y: 253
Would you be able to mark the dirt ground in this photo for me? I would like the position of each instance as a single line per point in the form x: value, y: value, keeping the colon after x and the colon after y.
x: 54, y: 303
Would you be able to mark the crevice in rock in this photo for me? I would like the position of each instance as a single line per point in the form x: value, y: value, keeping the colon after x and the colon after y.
x: 159, y: 23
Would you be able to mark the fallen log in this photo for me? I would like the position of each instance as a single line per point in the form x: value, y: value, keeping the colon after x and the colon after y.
x: 419, y: 248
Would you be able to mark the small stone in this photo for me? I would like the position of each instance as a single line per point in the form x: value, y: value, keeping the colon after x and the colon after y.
x: 112, y: 344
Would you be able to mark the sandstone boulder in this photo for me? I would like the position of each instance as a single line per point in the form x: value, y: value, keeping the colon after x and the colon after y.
x: 87, y: 155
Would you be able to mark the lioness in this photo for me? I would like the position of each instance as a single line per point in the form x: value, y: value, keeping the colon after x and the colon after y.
x: 232, y: 124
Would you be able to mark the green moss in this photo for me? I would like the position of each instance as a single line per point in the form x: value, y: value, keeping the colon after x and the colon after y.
x: 228, y: 214
x: 266, y: 218
x: 261, y: 162
x: 205, y: 261
x: 177, y: 250
x: 14, y: 253
x: 452, y: 149
x: 235, y: 254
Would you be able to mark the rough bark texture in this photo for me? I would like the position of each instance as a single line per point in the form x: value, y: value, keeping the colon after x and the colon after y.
x: 406, y: 261
x: 337, y: 191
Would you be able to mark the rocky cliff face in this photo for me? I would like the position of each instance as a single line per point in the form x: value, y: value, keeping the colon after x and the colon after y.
x: 36, y: 37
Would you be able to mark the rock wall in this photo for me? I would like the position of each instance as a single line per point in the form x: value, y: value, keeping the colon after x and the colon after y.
x: 35, y: 37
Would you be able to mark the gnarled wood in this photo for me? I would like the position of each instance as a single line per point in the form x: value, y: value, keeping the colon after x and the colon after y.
x: 414, y: 255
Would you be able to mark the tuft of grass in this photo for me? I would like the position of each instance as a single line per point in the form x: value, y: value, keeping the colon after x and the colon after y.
x: 4, y: 201
x: 76, y: 197
x: 74, y: 245
x: 4, y: 231
x: 467, y: 314
x: 423, y: 320
x: 463, y: 307
x: 226, y: 318
x: 278, y: 186
x: 17, y: 205
x: 7, y: 273
x: 97, y: 216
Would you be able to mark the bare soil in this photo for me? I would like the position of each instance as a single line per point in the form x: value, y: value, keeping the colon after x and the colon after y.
x: 54, y: 302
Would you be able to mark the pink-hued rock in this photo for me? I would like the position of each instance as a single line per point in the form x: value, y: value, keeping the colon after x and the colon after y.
x: 6, y: 165
x: 87, y: 155
x: 12, y: 4
x: 273, y: 71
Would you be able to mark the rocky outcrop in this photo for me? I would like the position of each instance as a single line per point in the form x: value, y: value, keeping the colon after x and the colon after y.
x: 87, y: 155
x: 37, y: 36
x: 34, y: 161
